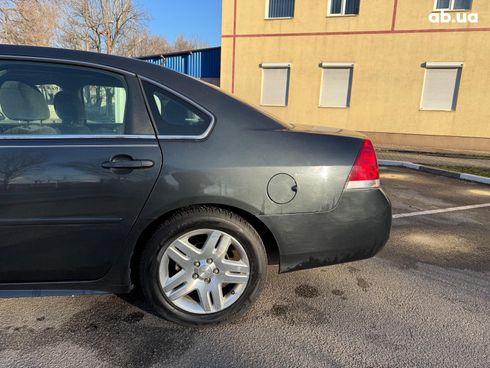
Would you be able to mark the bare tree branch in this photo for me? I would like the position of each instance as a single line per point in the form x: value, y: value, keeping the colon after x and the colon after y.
x: 109, y: 26
x: 143, y: 44
x: 185, y: 44
x: 28, y: 22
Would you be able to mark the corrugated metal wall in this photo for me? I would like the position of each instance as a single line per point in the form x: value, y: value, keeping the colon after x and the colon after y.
x: 281, y: 8
x: 205, y: 63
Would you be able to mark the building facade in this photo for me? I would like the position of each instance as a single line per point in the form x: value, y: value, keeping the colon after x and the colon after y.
x: 201, y: 63
x: 405, y: 72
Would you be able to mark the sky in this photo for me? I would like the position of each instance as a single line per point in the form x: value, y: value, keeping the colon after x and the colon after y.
x: 191, y: 18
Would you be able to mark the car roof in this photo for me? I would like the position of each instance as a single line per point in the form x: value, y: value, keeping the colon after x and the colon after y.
x: 127, y: 64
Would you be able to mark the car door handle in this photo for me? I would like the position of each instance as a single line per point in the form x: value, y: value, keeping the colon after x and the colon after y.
x: 128, y: 164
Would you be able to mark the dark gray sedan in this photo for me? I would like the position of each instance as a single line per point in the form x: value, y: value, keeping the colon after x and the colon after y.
x: 116, y: 173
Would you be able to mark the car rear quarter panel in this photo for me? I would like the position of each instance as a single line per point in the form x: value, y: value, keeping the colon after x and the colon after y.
x: 234, y: 169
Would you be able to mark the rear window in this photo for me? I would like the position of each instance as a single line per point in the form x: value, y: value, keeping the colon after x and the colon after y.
x: 174, y: 116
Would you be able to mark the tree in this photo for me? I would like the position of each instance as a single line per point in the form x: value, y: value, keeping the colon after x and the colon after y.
x: 110, y: 26
x: 184, y: 44
x: 28, y: 22
x: 144, y: 44
x: 14, y: 165
x: 100, y: 25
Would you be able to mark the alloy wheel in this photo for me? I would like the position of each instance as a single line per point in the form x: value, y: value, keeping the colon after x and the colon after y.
x: 204, y: 271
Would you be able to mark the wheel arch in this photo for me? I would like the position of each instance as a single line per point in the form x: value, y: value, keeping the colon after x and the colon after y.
x: 266, y: 235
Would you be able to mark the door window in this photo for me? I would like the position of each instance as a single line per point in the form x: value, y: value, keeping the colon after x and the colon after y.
x: 54, y: 99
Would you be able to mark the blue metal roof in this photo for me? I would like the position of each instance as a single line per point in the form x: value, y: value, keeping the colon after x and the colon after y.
x: 202, y: 63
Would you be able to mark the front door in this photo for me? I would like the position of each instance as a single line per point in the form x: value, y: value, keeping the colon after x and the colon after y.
x: 78, y: 160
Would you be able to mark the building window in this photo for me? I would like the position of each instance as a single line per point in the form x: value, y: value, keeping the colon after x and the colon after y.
x: 453, y: 4
x: 336, y: 84
x: 441, y: 86
x: 275, y: 84
x: 344, y: 7
x: 280, y: 8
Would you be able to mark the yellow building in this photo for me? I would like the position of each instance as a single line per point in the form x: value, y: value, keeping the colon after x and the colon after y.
x: 409, y: 72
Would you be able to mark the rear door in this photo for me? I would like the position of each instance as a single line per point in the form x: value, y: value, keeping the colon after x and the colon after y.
x: 78, y: 160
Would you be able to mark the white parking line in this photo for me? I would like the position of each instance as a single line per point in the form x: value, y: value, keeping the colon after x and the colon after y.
x: 432, y: 212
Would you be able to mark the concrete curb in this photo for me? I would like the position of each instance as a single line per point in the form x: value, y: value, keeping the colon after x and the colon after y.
x: 433, y: 170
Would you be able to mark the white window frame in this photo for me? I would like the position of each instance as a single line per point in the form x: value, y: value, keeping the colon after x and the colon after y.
x: 266, y: 17
x: 324, y: 66
x: 451, y: 6
x: 265, y: 66
x: 342, y: 13
x: 440, y: 65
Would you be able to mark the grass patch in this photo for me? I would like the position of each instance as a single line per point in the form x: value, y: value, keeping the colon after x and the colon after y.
x: 465, y: 170
x: 435, y: 154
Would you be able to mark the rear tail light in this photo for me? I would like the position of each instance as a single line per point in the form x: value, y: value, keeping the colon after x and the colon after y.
x: 365, y: 172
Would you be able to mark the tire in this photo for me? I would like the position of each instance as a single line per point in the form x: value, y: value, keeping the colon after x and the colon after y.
x: 202, y: 226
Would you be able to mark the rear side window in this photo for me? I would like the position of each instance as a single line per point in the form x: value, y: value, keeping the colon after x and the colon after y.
x: 55, y: 99
x: 174, y: 116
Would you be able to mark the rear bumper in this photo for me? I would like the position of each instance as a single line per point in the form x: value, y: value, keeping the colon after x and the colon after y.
x: 356, y: 229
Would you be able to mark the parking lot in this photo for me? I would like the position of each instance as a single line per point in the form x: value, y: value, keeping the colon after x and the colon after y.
x: 423, y: 301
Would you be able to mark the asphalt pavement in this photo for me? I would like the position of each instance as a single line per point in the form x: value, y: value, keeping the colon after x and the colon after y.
x: 423, y: 301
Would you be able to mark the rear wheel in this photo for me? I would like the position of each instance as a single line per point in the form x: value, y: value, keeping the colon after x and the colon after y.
x: 203, y: 265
